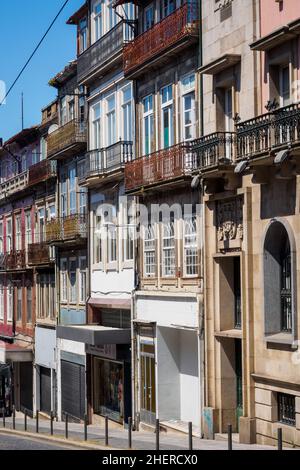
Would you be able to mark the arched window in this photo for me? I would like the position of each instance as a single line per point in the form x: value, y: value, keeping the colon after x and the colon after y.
x: 278, y: 280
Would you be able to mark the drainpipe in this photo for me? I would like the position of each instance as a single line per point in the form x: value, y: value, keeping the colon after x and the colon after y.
x: 200, y: 63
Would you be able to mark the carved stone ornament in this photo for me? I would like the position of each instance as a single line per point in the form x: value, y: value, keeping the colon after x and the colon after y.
x: 230, y: 219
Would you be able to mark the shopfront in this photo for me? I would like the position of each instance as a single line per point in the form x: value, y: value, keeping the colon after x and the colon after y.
x: 6, y: 388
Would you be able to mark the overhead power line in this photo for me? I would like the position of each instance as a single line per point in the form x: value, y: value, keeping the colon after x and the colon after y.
x: 34, y: 52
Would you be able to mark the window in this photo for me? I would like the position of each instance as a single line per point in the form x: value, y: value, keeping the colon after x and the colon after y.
x: 63, y: 196
x: 148, y: 125
x: 63, y: 111
x: 71, y: 106
x: 46, y: 296
x: 98, y: 255
x: 1, y: 302
x: 229, y: 127
x: 284, y: 84
x: 52, y: 296
x: 82, y: 35
x: 148, y: 17
x: 8, y: 236
x: 188, y: 107
x: 72, y: 189
x: 63, y: 280
x: 166, y: 116
x: 51, y: 212
x: 111, y: 15
x: 167, y: 7
x: 29, y: 304
x: 82, y: 279
x: 149, y: 251
x: 96, y: 127
x: 111, y: 243
x: 111, y: 120
x: 18, y: 233
x: 43, y: 144
x: 168, y: 249
x: 129, y: 15
x: 9, y: 302
x: 19, y: 304
x: 82, y: 200
x: 129, y: 234
x: 73, y: 279
x: 41, y: 226
x: 190, y: 247
x: 127, y: 114
x: 28, y: 236
x: 97, y: 21
x: 286, y: 290
x: 286, y: 409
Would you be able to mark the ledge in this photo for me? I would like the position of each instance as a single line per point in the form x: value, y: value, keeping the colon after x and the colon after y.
x: 235, y: 333
x: 281, y: 338
x: 277, y: 37
x: 220, y: 64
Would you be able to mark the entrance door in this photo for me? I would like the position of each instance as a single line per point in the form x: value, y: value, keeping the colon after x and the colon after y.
x: 239, y: 380
x: 45, y: 390
x: 147, y: 390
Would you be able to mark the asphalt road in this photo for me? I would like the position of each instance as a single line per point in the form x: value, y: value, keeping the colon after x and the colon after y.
x: 8, y: 442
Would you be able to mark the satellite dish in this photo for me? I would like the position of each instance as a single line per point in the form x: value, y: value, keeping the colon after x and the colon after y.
x: 52, y: 128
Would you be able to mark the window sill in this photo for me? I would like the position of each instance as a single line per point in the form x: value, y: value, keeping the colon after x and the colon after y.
x: 234, y: 333
x: 281, y: 338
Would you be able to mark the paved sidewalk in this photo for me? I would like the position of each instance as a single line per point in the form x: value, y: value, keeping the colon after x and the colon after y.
x: 118, y: 438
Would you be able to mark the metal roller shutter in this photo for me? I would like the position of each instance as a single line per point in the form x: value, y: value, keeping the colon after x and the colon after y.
x: 26, y: 386
x: 73, y: 390
x: 45, y: 389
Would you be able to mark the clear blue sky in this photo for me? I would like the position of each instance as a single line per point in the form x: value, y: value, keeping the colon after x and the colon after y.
x: 22, y: 25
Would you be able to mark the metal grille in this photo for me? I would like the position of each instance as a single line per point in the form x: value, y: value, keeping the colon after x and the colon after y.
x: 286, y: 409
x: 286, y: 295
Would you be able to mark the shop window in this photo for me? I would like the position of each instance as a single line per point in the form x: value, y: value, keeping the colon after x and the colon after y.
x: 115, y: 318
x: 286, y: 409
x: 278, y: 280
x: 109, y: 389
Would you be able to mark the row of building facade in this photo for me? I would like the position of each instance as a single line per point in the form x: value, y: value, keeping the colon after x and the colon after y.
x: 149, y: 225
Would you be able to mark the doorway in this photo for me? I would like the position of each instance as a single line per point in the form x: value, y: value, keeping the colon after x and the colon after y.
x: 147, y: 390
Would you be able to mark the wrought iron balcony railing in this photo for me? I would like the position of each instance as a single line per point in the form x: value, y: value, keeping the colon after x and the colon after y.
x: 38, y: 253
x: 72, y: 227
x: 13, y: 185
x: 42, y: 171
x: 214, y: 149
x: 67, y: 138
x: 102, y: 161
x: 101, y: 53
x: 159, y: 167
x: 271, y: 131
x: 179, y: 25
x: 13, y: 260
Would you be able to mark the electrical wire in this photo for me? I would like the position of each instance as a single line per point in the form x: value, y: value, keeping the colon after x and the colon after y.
x: 34, y: 52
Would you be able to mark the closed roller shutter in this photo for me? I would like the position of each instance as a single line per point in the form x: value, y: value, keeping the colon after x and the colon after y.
x: 73, y: 390
x: 45, y: 389
x: 26, y: 387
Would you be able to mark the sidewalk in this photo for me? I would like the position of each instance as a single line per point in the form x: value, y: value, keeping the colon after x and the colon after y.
x: 118, y: 438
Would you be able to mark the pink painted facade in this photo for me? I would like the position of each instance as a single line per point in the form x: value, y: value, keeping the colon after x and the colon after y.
x: 274, y: 15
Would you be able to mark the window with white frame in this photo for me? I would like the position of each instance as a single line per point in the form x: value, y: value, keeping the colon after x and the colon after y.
x: 129, y: 15
x: 63, y: 111
x: 28, y: 235
x: 149, y: 251
x: 43, y: 145
x: 19, y: 304
x: 111, y: 15
x: 82, y: 279
x: 41, y: 226
x: 1, y: 302
x: 63, y: 195
x: 10, y: 294
x: 148, y: 125
x: 72, y: 280
x: 190, y: 246
x: 52, y: 296
x: 82, y: 35
x: 111, y: 119
x: 284, y: 85
x: 72, y: 189
x: 111, y: 243
x: 127, y: 113
x: 96, y: 142
x: 18, y: 233
x: 29, y: 304
x: 97, y: 20
x: 82, y: 200
x: 8, y: 235
x: 98, y: 249
x: 168, y: 249
x: 51, y: 212
x: 188, y: 107
x: 64, y: 279
x: 128, y: 239
x: 166, y: 94
x: 45, y: 296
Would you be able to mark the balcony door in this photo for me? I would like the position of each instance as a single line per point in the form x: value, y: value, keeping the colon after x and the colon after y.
x: 166, y: 116
x: 229, y: 124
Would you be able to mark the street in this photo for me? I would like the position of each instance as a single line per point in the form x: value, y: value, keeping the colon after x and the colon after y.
x: 22, y: 443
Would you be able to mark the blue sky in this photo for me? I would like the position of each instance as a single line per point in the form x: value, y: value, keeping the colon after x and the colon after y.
x: 22, y: 25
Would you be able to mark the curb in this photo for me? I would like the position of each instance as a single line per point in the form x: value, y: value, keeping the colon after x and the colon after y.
x: 54, y: 439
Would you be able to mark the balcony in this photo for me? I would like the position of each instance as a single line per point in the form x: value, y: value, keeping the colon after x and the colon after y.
x: 66, y: 140
x: 159, y: 167
x: 171, y: 35
x: 72, y: 228
x: 13, y: 185
x: 104, y: 53
x: 38, y: 254
x: 107, y: 161
x: 42, y: 171
x: 269, y: 133
x: 215, y: 150
x: 12, y: 261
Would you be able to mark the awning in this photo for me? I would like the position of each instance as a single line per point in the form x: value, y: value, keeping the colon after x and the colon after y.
x: 14, y: 353
x: 94, y: 335
x: 102, y: 302
x: 277, y: 37
x: 220, y: 64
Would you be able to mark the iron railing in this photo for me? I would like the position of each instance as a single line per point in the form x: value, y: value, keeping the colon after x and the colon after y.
x: 15, y: 259
x: 42, y: 171
x: 167, y: 164
x: 180, y: 24
x: 101, y: 52
x: 214, y: 149
x: 102, y: 161
x: 68, y: 135
x: 38, y: 253
x: 67, y: 228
